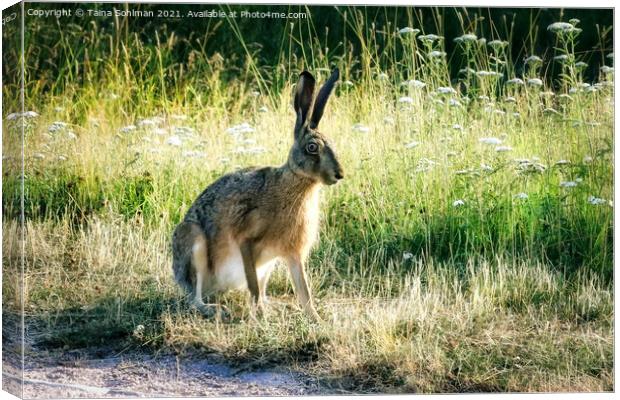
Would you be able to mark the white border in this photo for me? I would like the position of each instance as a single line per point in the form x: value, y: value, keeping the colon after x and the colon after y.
x: 449, y: 3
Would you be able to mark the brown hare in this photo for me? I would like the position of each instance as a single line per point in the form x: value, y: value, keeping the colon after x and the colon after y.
x: 243, y: 222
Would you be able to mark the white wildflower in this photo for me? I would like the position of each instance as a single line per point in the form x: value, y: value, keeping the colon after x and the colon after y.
x: 497, y: 44
x: 466, y: 38
x: 26, y: 114
x: 240, y: 129
x: 534, y: 82
x: 405, y: 100
x: 561, y: 57
x: 587, y: 159
x: 39, y: 156
x: 174, y: 141
x: 607, y: 69
x: 458, y: 203
x: 521, y: 196
x: 138, y: 332
x: 263, y: 109
x: 408, y: 30
x: 533, y: 60
x: 467, y: 70
x: 147, y: 122
x: 30, y: 114
x: 407, y: 256
x: 503, y: 149
x: 581, y: 64
x: 563, y: 27
x: 383, y: 76
x: 348, y: 83
x: 128, y: 128
x: 490, y: 140
x: 360, y: 128
x: 454, y: 103
x: 415, y: 83
x: 457, y: 127
x: 71, y: 135
x: 568, y: 184
x: 562, y: 162
x: 430, y: 38
x: 56, y: 126
x: 446, y: 90
x: 510, y: 99
x: 484, y: 74
x: 486, y: 167
x: 437, y: 54
x: 184, y: 130
x: 411, y: 145
x: 596, y: 201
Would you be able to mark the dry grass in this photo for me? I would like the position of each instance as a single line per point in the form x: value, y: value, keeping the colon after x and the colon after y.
x: 501, y: 326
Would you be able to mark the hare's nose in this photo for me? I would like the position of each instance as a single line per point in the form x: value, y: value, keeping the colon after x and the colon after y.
x: 338, y: 175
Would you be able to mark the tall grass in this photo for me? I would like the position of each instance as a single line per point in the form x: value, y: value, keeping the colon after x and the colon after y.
x: 468, y: 248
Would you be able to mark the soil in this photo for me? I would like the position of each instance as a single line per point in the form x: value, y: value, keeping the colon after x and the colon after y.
x: 89, y: 373
x: 116, y: 372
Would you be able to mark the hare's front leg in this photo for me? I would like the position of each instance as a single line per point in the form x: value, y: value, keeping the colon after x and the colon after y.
x: 298, y: 273
x: 249, y: 266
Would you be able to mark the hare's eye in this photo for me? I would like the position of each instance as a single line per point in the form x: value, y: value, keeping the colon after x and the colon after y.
x: 312, y: 148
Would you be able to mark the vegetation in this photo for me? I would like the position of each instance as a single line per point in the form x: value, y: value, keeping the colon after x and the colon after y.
x: 469, y: 247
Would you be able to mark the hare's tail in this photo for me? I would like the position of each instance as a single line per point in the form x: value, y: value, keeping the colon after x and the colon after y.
x: 183, y: 239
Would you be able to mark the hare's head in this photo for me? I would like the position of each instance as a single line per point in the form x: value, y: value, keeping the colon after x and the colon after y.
x: 312, y: 155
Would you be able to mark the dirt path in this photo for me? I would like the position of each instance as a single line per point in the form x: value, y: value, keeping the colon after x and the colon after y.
x: 103, y: 373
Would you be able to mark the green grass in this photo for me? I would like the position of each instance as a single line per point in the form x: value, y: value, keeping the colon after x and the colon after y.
x: 499, y: 293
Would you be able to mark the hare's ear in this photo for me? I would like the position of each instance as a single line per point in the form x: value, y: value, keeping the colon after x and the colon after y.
x: 303, y: 99
x: 321, y: 98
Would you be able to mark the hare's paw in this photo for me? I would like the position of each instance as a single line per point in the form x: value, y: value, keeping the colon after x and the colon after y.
x: 213, y: 311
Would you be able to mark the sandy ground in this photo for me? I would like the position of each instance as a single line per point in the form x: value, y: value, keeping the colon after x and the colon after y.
x: 107, y: 373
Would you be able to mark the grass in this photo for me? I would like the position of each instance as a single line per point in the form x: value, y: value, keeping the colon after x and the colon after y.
x: 446, y: 262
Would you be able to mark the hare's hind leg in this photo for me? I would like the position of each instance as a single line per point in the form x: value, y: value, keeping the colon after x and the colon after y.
x: 191, y: 263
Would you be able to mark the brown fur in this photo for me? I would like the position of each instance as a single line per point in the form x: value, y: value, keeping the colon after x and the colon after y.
x: 251, y: 217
